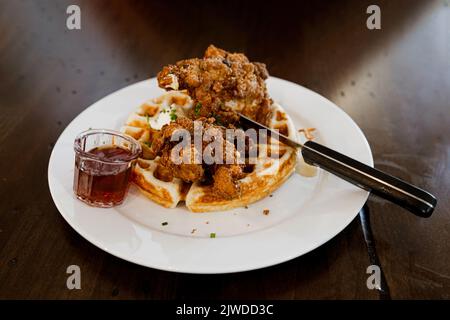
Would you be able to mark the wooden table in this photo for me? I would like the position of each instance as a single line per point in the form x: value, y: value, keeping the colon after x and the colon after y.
x: 393, y: 82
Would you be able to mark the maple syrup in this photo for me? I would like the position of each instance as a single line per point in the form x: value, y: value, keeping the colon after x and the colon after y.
x: 102, y: 175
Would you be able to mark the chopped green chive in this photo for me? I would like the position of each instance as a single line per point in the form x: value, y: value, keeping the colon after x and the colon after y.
x: 173, y: 115
x: 212, y: 235
x: 197, y: 108
x: 164, y: 223
x: 218, y: 119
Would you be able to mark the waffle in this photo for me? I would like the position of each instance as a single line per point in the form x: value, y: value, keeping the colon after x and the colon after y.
x: 274, y: 164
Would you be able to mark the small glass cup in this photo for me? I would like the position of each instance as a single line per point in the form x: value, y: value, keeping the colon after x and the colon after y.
x: 104, y: 160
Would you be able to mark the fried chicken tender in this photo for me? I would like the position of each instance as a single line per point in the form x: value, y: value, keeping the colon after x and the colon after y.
x: 226, y: 175
x: 221, y: 84
x: 218, y: 82
x: 163, y: 173
x: 225, y: 179
x: 191, y: 169
x: 186, y: 171
x: 162, y: 146
x: 163, y: 137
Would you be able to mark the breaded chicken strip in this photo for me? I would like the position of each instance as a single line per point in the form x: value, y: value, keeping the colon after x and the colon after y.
x: 219, y: 83
x: 224, y: 176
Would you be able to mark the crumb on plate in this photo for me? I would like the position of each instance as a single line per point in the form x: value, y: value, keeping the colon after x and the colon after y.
x: 307, y: 132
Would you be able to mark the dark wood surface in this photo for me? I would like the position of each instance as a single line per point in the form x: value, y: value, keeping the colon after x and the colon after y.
x: 393, y: 82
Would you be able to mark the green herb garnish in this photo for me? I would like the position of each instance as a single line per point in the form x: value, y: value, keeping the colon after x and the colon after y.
x: 164, y: 223
x: 218, y: 119
x: 212, y: 235
x: 148, y: 143
x: 173, y: 115
x: 197, y: 108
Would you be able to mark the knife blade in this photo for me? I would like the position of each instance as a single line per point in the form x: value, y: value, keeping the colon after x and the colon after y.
x: 246, y: 121
x: 404, y: 194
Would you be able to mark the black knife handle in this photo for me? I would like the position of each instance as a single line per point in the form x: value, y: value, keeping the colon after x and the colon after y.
x: 412, y: 198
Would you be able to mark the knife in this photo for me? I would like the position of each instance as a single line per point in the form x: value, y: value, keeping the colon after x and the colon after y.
x: 395, y: 190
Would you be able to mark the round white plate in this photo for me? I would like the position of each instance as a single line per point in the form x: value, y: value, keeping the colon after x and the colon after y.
x: 304, y: 212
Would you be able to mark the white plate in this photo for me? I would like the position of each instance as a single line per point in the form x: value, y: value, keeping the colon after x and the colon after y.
x: 304, y: 212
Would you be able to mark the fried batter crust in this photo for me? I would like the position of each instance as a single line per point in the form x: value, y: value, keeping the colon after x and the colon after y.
x: 214, y: 82
x: 224, y: 176
x: 220, y: 77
